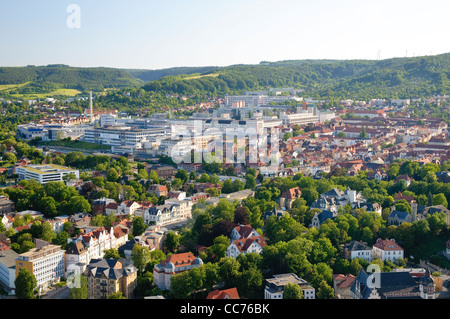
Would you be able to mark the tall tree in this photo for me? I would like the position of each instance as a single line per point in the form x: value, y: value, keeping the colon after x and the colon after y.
x: 25, y: 284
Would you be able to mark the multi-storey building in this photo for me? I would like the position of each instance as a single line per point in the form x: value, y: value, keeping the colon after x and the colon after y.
x: 7, y: 268
x: 93, y: 245
x: 172, y: 265
x: 387, y: 249
x: 107, y: 276
x: 45, y: 173
x: 45, y: 262
x: 121, y: 135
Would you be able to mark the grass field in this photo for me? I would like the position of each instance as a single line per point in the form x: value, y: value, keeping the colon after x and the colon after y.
x: 30, y: 96
x: 58, y: 92
x: 4, y: 87
x: 76, y: 144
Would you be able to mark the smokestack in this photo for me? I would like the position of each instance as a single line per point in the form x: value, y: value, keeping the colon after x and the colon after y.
x: 90, y: 104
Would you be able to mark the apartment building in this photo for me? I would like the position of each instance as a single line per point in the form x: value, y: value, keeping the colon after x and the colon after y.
x: 107, y: 276
x: 93, y: 245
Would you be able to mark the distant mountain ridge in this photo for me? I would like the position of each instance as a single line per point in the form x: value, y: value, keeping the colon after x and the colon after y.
x: 357, y: 79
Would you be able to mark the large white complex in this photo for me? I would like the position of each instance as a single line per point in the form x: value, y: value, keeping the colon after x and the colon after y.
x: 122, y: 135
x: 45, y: 173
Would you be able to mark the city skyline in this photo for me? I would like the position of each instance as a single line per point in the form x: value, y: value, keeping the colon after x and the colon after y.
x: 152, y: 35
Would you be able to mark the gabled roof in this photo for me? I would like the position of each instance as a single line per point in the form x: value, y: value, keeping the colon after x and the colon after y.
x: 244, y: 230
x: 387, y: 244
x: 243, y: 244
x: 231, y: 293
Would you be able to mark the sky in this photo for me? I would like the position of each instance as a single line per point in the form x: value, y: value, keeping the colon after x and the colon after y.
x: 147, y: 34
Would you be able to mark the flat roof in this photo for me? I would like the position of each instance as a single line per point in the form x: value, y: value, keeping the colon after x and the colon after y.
x: 47, y: 168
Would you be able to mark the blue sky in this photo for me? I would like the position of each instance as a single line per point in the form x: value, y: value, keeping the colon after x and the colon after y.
x: 159, y: 34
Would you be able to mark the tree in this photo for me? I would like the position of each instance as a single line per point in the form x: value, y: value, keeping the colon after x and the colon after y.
x: 25, y: 284
x: 172, y: 241
x: 325, y: 291
x: 292, y: 291
x: 79, y: 204
x: 80, y: 292
x: 140, y: 256
x: 250, y: 283
x: 440, y: 199
x: 112, y: 175
x: 139, y: 226
x: 116, y: 295
x: 111, y: 254
x: 220, y: 246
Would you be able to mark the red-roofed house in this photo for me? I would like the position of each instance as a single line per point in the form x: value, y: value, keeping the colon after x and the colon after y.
x: 231, y: 293
x: 387, y: 249
x: 242, y: 232
x: 246, y: 245
x: 174, y: 264
x: 342, y: 285
x: 288, y: 197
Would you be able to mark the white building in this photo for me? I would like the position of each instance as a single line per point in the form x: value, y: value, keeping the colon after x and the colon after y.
x: 46, y: 263
x: 45, y: 173
x: 172, y: 265
x: 7, y: 269
x: 387, y: 249
x: 275, y: 286
x: 162, y: 214
x: 93, y: 245
x: 246, y: 245
x: 242, y: 232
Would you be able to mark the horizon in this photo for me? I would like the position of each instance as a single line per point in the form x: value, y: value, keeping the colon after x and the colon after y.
x: 154, y: 36
x: 218, y: 66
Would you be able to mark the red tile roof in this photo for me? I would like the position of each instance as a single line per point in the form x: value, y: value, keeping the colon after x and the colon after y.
x: 231, y: 293
x: 243, y: 244
x: 387, y: 244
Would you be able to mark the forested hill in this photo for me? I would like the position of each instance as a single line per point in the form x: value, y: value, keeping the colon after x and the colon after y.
x: 46, y: 79
x: 356, y: 79
x: 335, y: 79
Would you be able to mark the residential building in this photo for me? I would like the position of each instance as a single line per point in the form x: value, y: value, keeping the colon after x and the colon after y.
x: 246, y: 245
x: 44, y: 173
x: 357, y: 249
x: 45, y: 262
x: 92, y: 245
x: 243, y: 232
x: 275, y: 286
x: 342, y: 285
x: 174, y: 264
x: 162, y: 214
x: 107, y: 276
x: 288, y: 197
x: 319, y: 218
x: 387, y: 249
x: 392, y: 285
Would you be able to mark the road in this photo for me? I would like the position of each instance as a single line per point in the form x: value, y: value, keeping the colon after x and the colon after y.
x: 58, y: 293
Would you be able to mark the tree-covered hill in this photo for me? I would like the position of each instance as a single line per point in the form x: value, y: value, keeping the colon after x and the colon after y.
x: 46, y: 79
x: 357, y: 79
x: 326, y: 79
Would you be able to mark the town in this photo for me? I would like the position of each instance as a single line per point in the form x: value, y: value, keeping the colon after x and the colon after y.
x: 264, y: 195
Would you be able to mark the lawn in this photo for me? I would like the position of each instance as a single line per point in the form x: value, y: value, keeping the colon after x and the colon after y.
x: 76, y: 144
